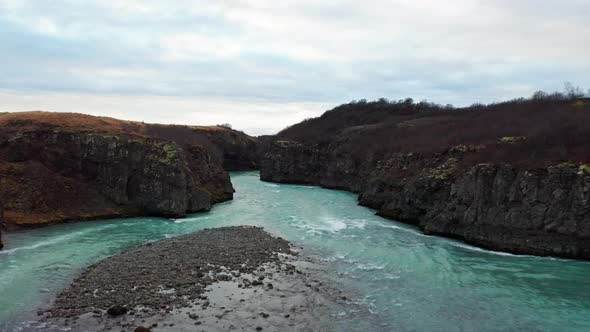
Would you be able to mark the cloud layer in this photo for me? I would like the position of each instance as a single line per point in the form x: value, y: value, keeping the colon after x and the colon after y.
x: 227, y: 60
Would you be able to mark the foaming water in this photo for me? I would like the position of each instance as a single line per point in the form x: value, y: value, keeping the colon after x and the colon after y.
x: 406, y: 281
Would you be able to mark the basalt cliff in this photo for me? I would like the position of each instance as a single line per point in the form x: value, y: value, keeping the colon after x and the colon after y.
x: 57, y: 167
x: 512, y: 176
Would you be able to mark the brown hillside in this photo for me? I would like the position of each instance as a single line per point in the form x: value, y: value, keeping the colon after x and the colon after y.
x: 529, y: 134
x: 69, y: 166
x: 513, y: 176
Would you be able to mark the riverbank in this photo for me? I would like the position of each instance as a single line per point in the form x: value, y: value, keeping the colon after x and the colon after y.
x: 396, y: 277
x: 60, y: 167
x: 447, y: 171
x: 230, y: 278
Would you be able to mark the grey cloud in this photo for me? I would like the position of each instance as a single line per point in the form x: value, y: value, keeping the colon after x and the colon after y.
x: 280, y: 53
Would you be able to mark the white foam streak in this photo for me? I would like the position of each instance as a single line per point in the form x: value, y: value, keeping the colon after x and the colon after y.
x: 52, y: 241
x: 49, y: 242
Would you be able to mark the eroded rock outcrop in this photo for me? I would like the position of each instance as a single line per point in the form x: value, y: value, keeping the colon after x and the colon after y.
x: 505, y: 178
x: 540, y: 212
x: 56, y: 167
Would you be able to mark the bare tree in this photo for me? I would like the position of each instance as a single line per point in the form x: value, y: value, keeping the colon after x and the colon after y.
x: 573, y: 92
x: 540, y: 95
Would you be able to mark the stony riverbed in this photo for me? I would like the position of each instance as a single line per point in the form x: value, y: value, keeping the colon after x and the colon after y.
x: 230, y: 278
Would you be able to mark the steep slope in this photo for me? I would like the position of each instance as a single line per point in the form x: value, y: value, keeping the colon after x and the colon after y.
x: 64, y: 166
x: 511, y: 176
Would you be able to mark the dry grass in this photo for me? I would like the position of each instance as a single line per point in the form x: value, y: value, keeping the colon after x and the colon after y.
x: 26, y: 121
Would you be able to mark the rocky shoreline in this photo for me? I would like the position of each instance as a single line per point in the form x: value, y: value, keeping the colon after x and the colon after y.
x: 58, y: 167
x: 231, y: 278
x: 541, y: 212
x: 520, y: 186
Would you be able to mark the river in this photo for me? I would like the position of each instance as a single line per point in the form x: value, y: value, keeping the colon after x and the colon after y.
x: 406, y: 280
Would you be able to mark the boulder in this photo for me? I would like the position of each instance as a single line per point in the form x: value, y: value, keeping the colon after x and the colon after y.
x: 117, y: 310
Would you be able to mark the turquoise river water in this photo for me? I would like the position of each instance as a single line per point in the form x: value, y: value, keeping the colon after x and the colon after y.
x: 405, y: 280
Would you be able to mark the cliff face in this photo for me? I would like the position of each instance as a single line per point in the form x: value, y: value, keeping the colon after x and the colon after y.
x: 1, y: 223
x: 293, y: 162
x: 541, y: 212
x: 237, y: 150
x: 522, y: 189
x: 57, y: 167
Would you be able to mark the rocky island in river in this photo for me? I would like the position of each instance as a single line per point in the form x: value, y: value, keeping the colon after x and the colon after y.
x: 221, y: 279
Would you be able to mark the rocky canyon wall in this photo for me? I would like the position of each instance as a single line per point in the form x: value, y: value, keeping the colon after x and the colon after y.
x: 57, y: 167
x: 512, y: 178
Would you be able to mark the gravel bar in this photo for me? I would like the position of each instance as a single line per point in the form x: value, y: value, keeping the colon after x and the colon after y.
x: 229, y: 278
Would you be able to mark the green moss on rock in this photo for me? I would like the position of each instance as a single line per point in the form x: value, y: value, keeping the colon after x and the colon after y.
x: 584, y: 169
x: 443, y: 171
x: 568, y: 164
x: 463, y: 148
x: 512, y: 139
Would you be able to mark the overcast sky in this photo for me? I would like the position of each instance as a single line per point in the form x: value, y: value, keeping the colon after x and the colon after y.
x: 263, y: 64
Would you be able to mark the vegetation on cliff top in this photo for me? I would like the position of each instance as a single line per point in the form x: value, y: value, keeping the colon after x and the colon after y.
x: 222, y: 141
x: 36, y: 120
x: 540, y: 131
